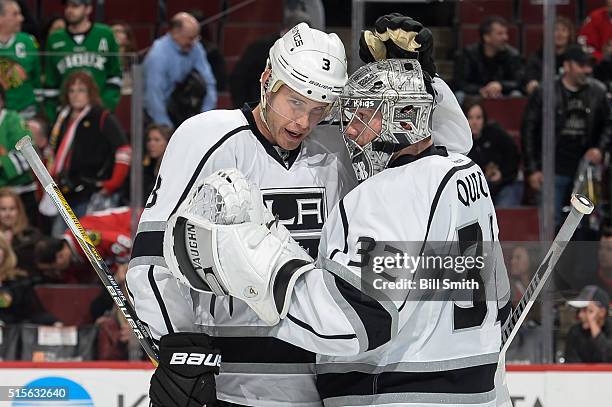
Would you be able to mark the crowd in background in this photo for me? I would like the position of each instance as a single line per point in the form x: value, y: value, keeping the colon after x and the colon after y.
x: 64, y: 94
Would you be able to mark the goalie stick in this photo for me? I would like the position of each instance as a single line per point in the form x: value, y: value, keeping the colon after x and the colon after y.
x: 581, y: 205
x: 25, y: 147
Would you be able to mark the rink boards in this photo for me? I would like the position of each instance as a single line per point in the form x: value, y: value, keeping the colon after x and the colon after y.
x: 118, y: 384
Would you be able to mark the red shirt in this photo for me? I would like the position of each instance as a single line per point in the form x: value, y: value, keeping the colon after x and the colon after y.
x: 597, y: 31
x: 110, y: 232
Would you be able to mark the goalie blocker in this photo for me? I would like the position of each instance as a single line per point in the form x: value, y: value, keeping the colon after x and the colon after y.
x: 264, y: 264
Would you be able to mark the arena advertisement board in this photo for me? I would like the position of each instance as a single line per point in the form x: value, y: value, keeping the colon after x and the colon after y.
x: 118, y: 384
x: 107, y: 384
x: 560, y: 385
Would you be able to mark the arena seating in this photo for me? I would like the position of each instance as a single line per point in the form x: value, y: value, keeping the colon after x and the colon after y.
x: 69, y: 303
x: 530, y: 11
x: 473, y: 11
x: 508, y: 112
x: 518, y: 224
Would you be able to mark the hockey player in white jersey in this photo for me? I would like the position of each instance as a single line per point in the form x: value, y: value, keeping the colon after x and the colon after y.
x: 301, y: 176
x: 389, y: 345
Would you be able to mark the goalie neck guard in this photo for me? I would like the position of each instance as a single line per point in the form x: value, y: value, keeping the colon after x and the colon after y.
x: 401, y: 94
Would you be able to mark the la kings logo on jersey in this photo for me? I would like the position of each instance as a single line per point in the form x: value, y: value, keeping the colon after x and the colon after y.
x: 301, y: 210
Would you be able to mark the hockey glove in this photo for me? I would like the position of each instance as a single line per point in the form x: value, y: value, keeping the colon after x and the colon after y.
x: 398, y: 37
x: 249, y: 261
x: 185, y: 376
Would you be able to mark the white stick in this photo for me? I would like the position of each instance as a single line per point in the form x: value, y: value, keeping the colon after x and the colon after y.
x: 25, y: 147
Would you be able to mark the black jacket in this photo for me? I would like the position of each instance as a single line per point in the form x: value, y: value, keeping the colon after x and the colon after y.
x: 25, y: 306
x: 473, y: 69
x: 244, y: 81
x: 599, y: 127
x: 92, y: 156
x: 581, y: 347
x: 496, y: 146
x: 535, y: 67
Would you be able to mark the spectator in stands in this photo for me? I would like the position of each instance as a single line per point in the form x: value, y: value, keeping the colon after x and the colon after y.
x: 565, y: 34
x: 177, y: 73
x: 597, y: 30
x: 213, y: 54
x: 18, y: 300
x: 590, y: 340
x: 39, y: 128
x: 124, y: 35
x: 115, y: 334
x: 16, y: 230
x: 63, y: 260
x: 29, y: 24
x: 519, y: 273
x: 57, y: 263
x: 14, y: 170
x: 158, y: 136
x: 586, y: 263
x: 83, y: 45
x: 490, y: 68
x: 527, y: 345
x: 54, y: 22
x: 497, y: 154
x: 19, y: 61
x: 603, y: 70
x: 244, y: 81
x: 582, y: 126
x: 92, y: 154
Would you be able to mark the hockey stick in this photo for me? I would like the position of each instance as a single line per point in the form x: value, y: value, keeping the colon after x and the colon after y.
x: 25, y: 147
x: 581, y: 205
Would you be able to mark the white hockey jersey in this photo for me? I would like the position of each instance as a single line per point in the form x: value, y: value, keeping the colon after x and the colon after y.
x: 428, y: 346
x: 259, y: 368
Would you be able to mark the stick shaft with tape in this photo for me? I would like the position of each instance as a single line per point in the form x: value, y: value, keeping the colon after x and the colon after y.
x: 25, y: 147
x: 581, y: 206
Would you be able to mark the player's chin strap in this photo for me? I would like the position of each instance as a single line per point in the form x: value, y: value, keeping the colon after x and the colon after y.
x: 250, y: 261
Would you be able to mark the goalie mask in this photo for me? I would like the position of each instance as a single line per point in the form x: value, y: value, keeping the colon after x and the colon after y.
x: 308, y: 61
x: 385, y: 107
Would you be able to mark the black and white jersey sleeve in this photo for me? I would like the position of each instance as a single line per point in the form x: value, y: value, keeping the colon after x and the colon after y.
x: 199, y: 146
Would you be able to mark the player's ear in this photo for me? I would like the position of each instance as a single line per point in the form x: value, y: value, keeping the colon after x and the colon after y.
x: 265, y: 78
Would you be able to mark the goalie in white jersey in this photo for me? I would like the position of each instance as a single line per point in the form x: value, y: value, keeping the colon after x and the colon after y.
x: 301, y: 177
x: 414, y: 346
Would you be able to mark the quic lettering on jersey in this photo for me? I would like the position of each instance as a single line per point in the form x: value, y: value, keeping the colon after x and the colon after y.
x: 471, y: 188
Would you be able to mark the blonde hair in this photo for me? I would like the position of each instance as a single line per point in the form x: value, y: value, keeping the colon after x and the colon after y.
x: 8, y: 267
x: 22, y: 218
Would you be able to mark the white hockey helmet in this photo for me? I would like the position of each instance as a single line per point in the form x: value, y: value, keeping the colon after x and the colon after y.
x: 310, y: 62
x: 404, y: 96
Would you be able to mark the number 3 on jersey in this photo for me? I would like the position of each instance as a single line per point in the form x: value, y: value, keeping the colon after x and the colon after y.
x: 153, y: 196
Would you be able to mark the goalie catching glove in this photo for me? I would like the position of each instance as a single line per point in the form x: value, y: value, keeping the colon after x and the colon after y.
x: 398, y: 37
x: 256, y: 262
